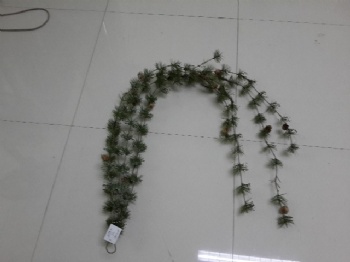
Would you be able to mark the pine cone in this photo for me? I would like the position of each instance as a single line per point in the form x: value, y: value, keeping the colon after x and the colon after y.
x: 284, y: 210
x: 105, y: 157
x: 285, y: 126
x: 225, y: 131
x: 268, y: 128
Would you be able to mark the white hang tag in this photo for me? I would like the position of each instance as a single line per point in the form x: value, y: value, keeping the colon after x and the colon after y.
x: 112, y: 234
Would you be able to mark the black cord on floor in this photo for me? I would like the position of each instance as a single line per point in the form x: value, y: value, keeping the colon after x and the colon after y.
x: 26, y: 29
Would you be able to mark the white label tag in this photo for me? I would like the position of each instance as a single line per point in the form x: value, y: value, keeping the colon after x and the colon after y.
x: 112, y: 234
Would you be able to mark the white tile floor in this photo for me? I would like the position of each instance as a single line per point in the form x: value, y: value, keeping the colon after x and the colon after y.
x: 58, y: 86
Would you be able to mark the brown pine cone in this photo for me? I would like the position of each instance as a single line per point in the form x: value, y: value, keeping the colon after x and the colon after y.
x: 285, y: 126
x: 225, y: 131
x: 105, y: 157
x: 268, y: 128
x: 284, y: 210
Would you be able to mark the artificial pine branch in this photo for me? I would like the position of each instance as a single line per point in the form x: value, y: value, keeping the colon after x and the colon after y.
x: 279, y: 200
x: 269, y: 147
x: 132, y: 179
x: 126, y: 129
x: 288, y: 132
x: 239, y: 169
x: 141, y: 129
x: 243, y: 188
x: 257, y: 100
x: 272, y: 107
x: 139, y: 146
x: 285, y: 221
x: 145, y: 114
x: 274, y: 163
x: 217, y: 56
x: 247, y: 207
x: 292, y: 148
x: 237, y: 150
x: 231, y: 123
x: 259, y: 119
x: 245, y: 89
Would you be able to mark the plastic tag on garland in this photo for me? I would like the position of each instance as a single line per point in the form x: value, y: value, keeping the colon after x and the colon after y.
x: 112, y: 234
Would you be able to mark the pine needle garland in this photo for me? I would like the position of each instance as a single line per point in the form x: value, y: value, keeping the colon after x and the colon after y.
x: 127, y: 128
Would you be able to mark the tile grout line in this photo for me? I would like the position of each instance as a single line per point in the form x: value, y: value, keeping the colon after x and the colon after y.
x: 292, y: 22
x: 233, y: 180
x: 193, y: 16
x: 174, y: 15
x: 68, y: 136
x: 230, y: 18
x: 168, y: 134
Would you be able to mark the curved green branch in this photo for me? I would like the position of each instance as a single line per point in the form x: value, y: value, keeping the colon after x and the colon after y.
x: 127, y: 128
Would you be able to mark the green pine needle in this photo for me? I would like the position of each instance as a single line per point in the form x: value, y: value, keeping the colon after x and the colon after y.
x: 117, y: 221
x: 246, y: 89
x: 133, y: 179
x: 284, y: 119
x: 237, y: 150
x: 136, y: 161
x: 269, y: 147
x: 139, y: 146
x: 113, y: 127
x: 272, y: 107
x: 263, y: 133
x: 279, y: 200
x: 259, y: 119
x: 288, y: 133
x: 217, y: 56
x: 247, y: 207
x: 127, y: 136
x: 225, y: 69
x: 141, y: 129
x: 243, y: 189
x: 239, y: 168
x: 292, y: 148
x: 274, y: 162
x: 145, y: 114
x: 285, y: 221
x: 241, y: 75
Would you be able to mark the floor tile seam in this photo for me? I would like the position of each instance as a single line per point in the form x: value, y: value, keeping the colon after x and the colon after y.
x: 292, y: 22
x: 50, y: 195
x: 174, y: 15
x: 67, y: 139
x: 249, y: 140
x: 236, y: 159
x: 180, y: 15
x: 231, y: 18
x: 124, y: 12
x: 89, y: 67
x: 169, y: 134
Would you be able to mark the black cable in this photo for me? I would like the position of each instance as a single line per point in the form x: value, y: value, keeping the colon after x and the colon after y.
x: 26, y: 29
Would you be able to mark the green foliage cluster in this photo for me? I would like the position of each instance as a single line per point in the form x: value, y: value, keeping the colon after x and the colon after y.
x: 128, y: 127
